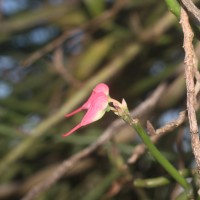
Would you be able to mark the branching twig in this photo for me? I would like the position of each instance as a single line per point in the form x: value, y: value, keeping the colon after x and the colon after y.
x: 190, y: 68
x: 172, y: 125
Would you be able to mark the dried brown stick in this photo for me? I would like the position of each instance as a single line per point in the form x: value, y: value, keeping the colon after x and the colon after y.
x: 68, y: 164
x: 193, y: 11
x: 172, y: 125
x: 190, y: 68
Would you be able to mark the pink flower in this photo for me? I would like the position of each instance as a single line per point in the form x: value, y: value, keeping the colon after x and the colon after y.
x: 97, y: 105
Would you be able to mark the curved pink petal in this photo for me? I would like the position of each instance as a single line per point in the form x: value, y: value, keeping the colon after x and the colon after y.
x: 102, y: 87
x: 72, y: 131
x: 74, y: 112
x: 96, y: 111
x: 96, y: 105
x: 87, y: 104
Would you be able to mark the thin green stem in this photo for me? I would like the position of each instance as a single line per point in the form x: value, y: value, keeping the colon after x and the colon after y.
x: 159, y: 157
x: 151, y: 182
x: 174, y: 7
x: 158, y: 181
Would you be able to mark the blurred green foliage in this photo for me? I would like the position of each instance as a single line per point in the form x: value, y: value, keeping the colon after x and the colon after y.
x: 70, y: 46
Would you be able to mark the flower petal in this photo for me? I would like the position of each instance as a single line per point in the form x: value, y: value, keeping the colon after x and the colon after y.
x: 97, y: 109
x: 96, y: 105
x: 72, y: 131
x: 74, y: 112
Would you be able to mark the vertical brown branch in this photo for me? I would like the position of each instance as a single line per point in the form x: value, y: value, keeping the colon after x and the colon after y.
x: 192, y: 9
x: 190, y: 68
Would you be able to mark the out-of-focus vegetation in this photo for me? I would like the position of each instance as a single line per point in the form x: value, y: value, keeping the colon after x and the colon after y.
x: 52, y: 53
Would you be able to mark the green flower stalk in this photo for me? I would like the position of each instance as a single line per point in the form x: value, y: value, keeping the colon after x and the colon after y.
x: 122, y: 111
x: 96, y: 106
